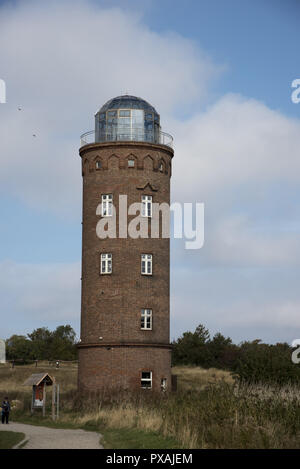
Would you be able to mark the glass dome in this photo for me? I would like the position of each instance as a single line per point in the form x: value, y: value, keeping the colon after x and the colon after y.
x: 127, y: 118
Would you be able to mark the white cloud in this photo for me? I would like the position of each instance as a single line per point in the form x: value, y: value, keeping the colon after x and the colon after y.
x: 37, y: 294
x: 237, y: 141
x: 243, y: 303
x: 63, y: 60
x: 242, y: 160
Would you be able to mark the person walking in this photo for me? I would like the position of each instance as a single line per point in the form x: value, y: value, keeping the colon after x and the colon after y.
x: 5, y: 410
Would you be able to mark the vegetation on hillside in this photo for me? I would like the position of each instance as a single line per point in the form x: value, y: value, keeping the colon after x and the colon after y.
x: 252, y: 362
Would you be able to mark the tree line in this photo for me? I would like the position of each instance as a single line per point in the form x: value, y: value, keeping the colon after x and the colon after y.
x: 249, y: 361
x: 43, y: 344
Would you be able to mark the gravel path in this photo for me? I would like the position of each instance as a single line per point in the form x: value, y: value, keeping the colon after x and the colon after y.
x: 54, y: 438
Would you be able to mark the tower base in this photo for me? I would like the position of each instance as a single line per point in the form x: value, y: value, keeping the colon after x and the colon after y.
x: 108, y: 367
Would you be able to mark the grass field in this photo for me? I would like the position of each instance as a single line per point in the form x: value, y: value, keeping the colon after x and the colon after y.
x: 209, y: 410
x: 10, y: 439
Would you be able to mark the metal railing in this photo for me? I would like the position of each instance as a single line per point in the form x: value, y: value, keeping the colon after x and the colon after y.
x: 131, y: 135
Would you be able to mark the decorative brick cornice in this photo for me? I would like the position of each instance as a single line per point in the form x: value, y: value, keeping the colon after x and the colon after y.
x: 153, y: 187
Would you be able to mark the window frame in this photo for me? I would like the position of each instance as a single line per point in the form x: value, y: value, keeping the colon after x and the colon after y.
x: 146, y: 204
x: 147, y: 380
x: 148, y: 260
x: 145, y: 314
x: 106, y: 260
x: 108, y: 204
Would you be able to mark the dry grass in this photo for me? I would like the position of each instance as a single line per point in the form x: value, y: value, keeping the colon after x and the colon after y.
x: 12, y: 379
x: 208, y: 411
x: 142, y: 417
x: 194, y: 377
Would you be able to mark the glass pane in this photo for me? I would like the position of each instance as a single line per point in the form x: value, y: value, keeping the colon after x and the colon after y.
x: 124, y: 121
x: 124, y: 113
x: 138, y: 117
x: 146, y: 384
x: 143, y: 209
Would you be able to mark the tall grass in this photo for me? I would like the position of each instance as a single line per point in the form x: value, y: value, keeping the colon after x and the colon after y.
x: 209, y: 410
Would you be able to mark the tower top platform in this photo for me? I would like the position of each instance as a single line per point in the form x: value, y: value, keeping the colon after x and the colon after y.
x: 127, y: 118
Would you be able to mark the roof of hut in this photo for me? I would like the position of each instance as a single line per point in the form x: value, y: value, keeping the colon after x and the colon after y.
x: 38, y: 378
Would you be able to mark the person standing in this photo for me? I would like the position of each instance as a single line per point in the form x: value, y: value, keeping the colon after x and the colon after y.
x: 5, y: 410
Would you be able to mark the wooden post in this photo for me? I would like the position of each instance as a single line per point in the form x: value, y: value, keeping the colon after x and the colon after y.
x: 57, y: 401
x: 44, y: 399
x: 53, y: 399
x: 32, y: 398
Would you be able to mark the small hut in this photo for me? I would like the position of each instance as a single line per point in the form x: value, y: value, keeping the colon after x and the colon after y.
x: 39, y: 383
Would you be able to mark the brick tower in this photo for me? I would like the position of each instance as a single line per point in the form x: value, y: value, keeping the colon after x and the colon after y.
x: 125, y: 337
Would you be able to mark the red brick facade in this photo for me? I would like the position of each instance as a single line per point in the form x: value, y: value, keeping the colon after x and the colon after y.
x: 114, y: 350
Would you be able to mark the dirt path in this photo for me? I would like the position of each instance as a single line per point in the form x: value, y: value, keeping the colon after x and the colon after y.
x: 54, y: 438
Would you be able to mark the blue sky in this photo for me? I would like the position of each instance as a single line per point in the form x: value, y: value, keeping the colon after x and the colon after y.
x: 220, y: 74
x: 257, y: 39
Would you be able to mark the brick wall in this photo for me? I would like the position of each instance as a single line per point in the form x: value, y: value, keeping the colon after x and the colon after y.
x: 111, y: 304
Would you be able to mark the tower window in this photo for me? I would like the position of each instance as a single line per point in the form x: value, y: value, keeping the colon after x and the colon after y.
x: 107, y: 205
x: 130, y: 163
x: 161, y: 167
x: 146, y: 205
x: 146, y: 380
x: 146, y: 319
x: 106, y: 264
x: 146, y: 264
x: 98, y: 165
